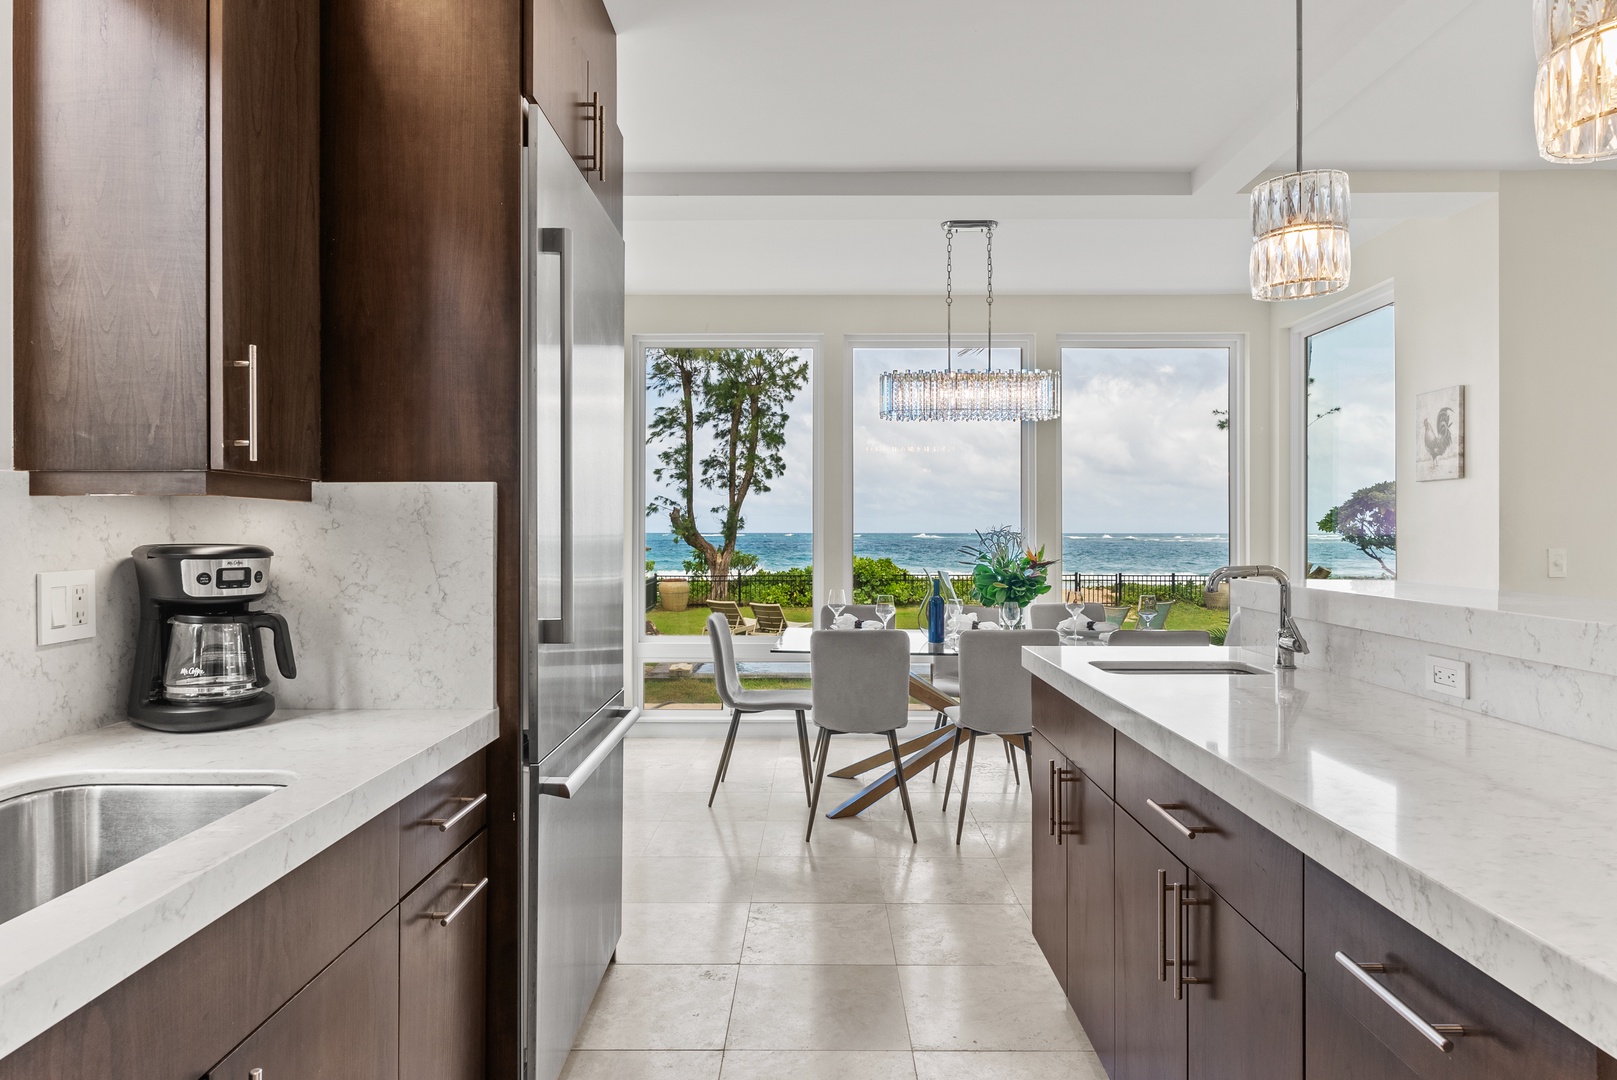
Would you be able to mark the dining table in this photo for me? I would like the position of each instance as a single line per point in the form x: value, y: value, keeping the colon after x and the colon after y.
x: 916, y: 754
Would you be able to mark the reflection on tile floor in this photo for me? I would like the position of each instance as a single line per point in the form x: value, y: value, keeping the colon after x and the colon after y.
x: 748, y: 955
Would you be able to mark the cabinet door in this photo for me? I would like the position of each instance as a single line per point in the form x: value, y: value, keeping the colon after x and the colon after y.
x: 264, y: 231
x: 1246, y: 1004
x: 1091, y: 905
x: 442, y: 929
x: 1149, y: 1033
x: 1339, y: 1048
x: 345, y: 1023
x: 1050, y: 769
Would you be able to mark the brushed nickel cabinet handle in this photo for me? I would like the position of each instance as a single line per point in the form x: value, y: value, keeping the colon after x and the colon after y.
x: 255, y: 1074
x: 1162, y: 927
x: 446, y: 917
x: 251, y: 441
x: 1436, y: 1034
x: 1182, y: 899
x: 1055, y: 794
x: 445, y: 824
x: 1189, y: 832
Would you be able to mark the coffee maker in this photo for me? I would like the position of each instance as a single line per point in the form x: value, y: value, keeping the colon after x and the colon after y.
x: 199, y: 663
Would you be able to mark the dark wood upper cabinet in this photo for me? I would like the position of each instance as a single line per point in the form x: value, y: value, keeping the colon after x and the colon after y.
x: 167, y: 219
x: 570, y: 70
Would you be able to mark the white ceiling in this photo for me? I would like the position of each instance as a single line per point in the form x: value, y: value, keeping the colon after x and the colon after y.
x: 790, y: 147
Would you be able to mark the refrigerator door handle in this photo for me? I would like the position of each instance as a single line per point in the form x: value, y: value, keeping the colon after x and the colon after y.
x: 565, y: 787
x: 554, y: 480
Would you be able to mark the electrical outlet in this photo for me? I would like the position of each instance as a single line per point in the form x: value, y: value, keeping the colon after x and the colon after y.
x: 1556, y: 562
x: 1451, y: 677
x: 66, y: 606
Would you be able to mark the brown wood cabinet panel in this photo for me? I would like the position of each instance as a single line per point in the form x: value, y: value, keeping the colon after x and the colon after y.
x: 110, y: 216
x: 569, y: 57
x: 1339, y: 1048
x: 1246, y: 1010
x: 1149, y: 1038
x: 176, y: 1017
x: 1047, y: 782
x: 264, y: 259
x: 1091, y: 912
x: 1511, y: 1037
x: 343, y: 1024
x: 423, y: 844
x: 1086, y: 739
x: 442, y: 971
x: 1257, y: 872
x: 236, y: 485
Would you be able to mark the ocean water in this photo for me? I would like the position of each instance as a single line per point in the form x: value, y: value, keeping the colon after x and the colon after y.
x: 1088, y: 553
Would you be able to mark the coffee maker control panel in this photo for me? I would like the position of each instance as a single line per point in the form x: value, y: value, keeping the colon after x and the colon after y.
x: 237, y: 579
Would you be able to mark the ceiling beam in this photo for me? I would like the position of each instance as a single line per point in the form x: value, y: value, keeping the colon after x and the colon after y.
x: 964, y: 183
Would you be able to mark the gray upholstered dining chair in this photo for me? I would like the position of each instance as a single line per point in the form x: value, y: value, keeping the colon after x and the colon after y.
x: 740, y: 701
x: 996, y: 698
x: 1160, y: 637
x: 861, y: 685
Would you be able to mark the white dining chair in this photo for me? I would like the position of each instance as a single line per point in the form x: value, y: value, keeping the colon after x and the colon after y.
x: 741, y: 701
x: 862, y: 612
x: 996, y: 698
x: 1159, y: 637
x: 861, y: 685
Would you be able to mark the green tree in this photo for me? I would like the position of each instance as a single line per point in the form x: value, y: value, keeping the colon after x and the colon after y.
x: 739, y: 399
x: 1368, y: 519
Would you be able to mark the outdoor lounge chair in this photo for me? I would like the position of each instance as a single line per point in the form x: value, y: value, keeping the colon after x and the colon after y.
x: 732, y: 615
x: 771, y: 619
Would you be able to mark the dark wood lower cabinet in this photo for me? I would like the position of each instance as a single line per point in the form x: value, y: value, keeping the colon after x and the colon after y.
x: 1049, y: 858
x: 345, y: 1023
x: 1091, y: 909
x: 442, y: 970
x: 1149, y: 1035
x: 1339, y: 1048
x: 1246, y: 1005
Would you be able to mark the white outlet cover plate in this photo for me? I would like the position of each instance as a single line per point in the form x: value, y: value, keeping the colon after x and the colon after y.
x: 47, y: 614
x: 1448, y: 676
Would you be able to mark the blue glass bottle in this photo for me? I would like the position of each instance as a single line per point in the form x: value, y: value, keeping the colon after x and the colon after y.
x: 934, y: 612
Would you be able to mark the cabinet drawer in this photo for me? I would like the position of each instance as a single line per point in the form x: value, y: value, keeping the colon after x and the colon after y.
x: 345, y: 1023
x: 1509, y: 1038
x: 426, y: 836
x: 1339, y: 1048
x: 1084, y: 738
x: 441, y: 969
x: 1258, y: 873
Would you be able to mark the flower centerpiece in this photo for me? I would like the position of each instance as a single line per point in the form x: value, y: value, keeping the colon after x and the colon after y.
x: 1004, y: 568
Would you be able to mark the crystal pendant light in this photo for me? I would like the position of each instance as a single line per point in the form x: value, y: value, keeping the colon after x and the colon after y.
x: 1575, y: 98
x: 1014, y: 394
x: 1300, y: 223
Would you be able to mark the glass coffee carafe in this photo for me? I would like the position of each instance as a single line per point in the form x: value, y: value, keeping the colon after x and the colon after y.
x: 210, y: 658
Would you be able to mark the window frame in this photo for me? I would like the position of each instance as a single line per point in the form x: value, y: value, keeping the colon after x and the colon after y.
x: 1239, y: 352
x: 1353, y: 307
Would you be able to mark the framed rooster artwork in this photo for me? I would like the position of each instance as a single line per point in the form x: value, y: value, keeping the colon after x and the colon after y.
x: 1440, y: 434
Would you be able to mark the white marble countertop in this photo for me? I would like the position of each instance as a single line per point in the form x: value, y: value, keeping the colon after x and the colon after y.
x: 340, y: 768
x: 1491, y: 837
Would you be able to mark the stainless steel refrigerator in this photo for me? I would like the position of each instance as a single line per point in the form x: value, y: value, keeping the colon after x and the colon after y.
x: 573, y: 724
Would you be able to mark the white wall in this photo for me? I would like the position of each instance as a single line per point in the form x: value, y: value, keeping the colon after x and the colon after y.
x: 837, y: 317
x: 1445, y: 274
x: 1558, y: 379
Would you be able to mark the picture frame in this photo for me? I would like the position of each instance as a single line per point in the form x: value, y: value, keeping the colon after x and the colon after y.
x: 1440, y: 434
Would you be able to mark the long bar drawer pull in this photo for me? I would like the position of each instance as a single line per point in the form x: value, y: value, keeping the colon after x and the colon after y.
x: 1436, y: 1034
x: 445, y: 824
x: 1055, y: 797
x: 1189, y: 832
x: 1162, y: 926
x: 446, y: 917
x: 255, y: 1074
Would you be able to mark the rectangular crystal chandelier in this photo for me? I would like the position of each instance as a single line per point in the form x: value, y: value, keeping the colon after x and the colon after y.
x: 970, y: 395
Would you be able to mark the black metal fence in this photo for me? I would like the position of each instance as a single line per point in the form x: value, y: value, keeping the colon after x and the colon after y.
x: 795, y: 588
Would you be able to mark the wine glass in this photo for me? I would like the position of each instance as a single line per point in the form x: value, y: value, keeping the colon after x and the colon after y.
x: 836, y: 600
x: 1010, y: 613
x: 1075, y: 606
x: 885, y: 609
x: 954, y: 612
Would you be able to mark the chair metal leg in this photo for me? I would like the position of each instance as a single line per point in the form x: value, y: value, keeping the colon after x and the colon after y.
x: 724, y: 759
x: 903, y: 785
x: 1027, y: 748
x: 1010, y: 756
x: 819, y: 779
x: 954, y: 751
x: 803, y: 750
x: 965, y: 787
x: 941, y: 720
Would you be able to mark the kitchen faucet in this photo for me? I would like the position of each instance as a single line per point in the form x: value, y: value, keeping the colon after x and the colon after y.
x: 1289, y: 642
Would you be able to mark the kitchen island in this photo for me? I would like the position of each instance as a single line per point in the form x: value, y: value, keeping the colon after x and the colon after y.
x: 1459, y: 846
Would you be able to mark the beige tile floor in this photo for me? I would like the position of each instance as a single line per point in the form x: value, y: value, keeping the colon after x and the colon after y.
x: 748, y: 955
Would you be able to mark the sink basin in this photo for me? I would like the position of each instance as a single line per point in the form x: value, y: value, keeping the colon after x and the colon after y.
x: 53, y: 841
x: 1179, y: 667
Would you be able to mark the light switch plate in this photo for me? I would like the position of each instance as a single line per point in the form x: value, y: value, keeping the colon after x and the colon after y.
x: 1446, y: 676
x: 1556, y: 562
x: 65, y: 605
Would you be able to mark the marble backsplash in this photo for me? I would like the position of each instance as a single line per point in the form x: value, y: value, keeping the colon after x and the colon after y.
x: 388, y: 589
x: 1543, y: 662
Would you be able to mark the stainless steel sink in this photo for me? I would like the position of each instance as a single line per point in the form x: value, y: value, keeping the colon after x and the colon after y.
x: 53, y: 841
x: 1179, y: 667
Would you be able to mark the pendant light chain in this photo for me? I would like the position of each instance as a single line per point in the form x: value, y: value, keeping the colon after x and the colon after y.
x: 990, y: 234
x: 948, y: 299
x: 1299, y: 86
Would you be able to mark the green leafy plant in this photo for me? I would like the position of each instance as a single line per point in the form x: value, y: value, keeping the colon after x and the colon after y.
x: 1004, y: 568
